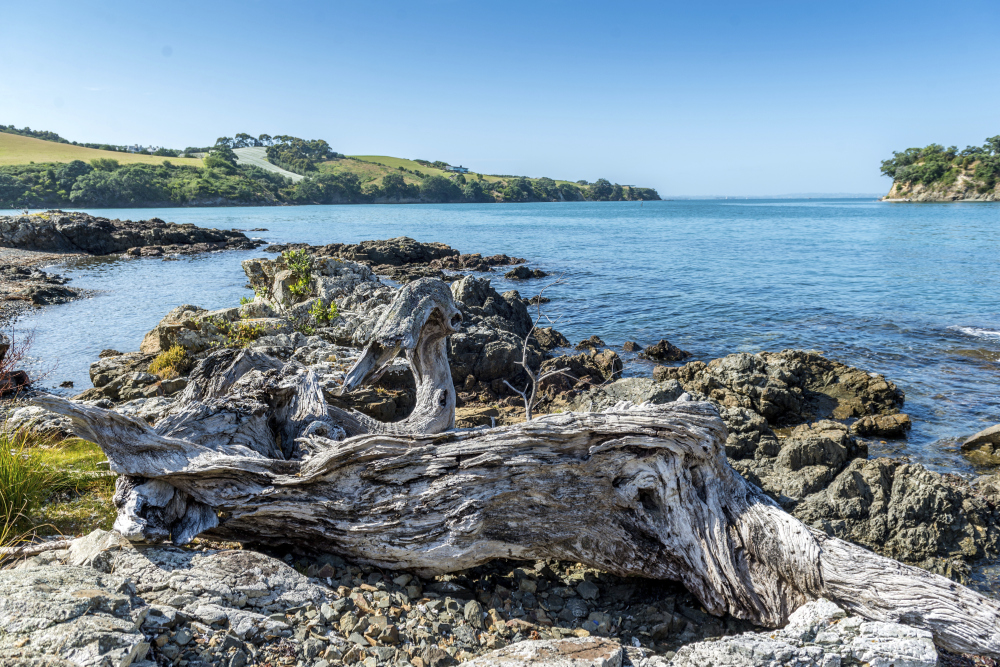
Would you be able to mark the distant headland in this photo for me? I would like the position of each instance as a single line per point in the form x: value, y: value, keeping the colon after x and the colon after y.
x: 936, y: 173
x: 41, y: 169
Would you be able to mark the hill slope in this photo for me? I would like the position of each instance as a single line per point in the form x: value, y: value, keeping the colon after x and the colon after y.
x: 36, y: 172
x: 15, y: 149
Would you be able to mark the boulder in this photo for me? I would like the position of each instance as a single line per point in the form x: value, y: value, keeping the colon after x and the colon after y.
x: 984, y: 447
x: 818, y: 634
x: 490, y: 344
x: 631, y: 346
x: 636, y: 390
x: 592, y: 343
x: 664, y: 351
x: 883, y: 426
x: 46, y: 295
x: 178, y: 327
x: 549, y: 339
x: 66, y: 615
x: 598, y: 366
x: 749, y: 435
x: 524, y: 273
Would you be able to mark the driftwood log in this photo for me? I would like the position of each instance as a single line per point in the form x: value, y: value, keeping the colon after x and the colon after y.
x: 252, y: 453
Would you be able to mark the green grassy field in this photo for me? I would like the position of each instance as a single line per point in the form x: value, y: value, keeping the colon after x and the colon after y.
x: 15, y: 149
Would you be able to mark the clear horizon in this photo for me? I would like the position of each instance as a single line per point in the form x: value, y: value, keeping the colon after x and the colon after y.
x: 694, y: 101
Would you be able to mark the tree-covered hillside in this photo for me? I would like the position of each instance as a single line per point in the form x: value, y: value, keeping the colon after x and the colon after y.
x: 936, y: 172
x: 330, y: 178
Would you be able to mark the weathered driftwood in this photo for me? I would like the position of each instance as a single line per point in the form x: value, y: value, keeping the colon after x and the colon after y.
x: 640, y: 490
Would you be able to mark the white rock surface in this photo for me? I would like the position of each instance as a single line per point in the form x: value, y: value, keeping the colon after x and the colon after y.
x: 571, y: 652
x: 818, y: 634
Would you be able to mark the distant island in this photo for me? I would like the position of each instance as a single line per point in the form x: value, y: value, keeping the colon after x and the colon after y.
x: 42, y: 169
x: 936, y: 173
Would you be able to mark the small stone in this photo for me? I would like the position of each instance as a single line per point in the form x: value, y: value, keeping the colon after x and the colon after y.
x: 402, y: 580
x: 588, y: 590
x: 183, y: 636
x: 239, y: 659
x: 356, y: 638
x: 528, y: 586
x: 474, y: 614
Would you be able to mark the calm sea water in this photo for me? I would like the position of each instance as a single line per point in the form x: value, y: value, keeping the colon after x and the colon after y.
x: 910, y: 291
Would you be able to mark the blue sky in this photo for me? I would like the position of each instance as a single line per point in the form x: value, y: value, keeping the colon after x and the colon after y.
x: 691, y: 98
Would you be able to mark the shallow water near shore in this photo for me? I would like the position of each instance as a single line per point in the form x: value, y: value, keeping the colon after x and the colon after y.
x: 910, y: 291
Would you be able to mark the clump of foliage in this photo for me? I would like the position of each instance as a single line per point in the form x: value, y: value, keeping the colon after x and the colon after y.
x: 935, y: 164
x: 24, y: 479
x: 240, y: 333
x: 171, y: 363
x: 52, y: 486
x: 299, y: 155
x: 106, y: 184
x: 324, y: 314
x: 37, y: 134
x: 299, y: 262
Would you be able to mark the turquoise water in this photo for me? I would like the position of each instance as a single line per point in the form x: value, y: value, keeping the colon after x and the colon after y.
x: 910, y: 291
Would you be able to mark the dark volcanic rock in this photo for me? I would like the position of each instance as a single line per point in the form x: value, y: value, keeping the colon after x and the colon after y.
x: 664, y: 351
x: 58, y: 231
x: 788, y: 387
x: 491, y: 340
x: 598, y: 366
x: 524, y: 273
x: 403, y: 259
x: 592, y: 343
x: 883, y: 426
x: 904, y: 511
x: 806, y: 461
x: 549, y: 339
x: 984, y: 447
x: 44, y: 295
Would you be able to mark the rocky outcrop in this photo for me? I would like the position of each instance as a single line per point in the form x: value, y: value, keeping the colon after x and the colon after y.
x: 883, y: 426
x: 35, y: 286
x: 403, y: 259
x: 984, y: 447
x: 818, y: 634
x: 197, y: 330
x: 592, y: 343
x: 491, y: 341
x: 805, y: 462
x: 788, y: 387
x: 76, y: 232
x: 70, y: 616
x: 664, y: 351
x: 906, y: 512
x: 965, y: 187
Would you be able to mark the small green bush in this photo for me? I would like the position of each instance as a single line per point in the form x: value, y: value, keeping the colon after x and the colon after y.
x: 171, y: 363
x: 322, y: 314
